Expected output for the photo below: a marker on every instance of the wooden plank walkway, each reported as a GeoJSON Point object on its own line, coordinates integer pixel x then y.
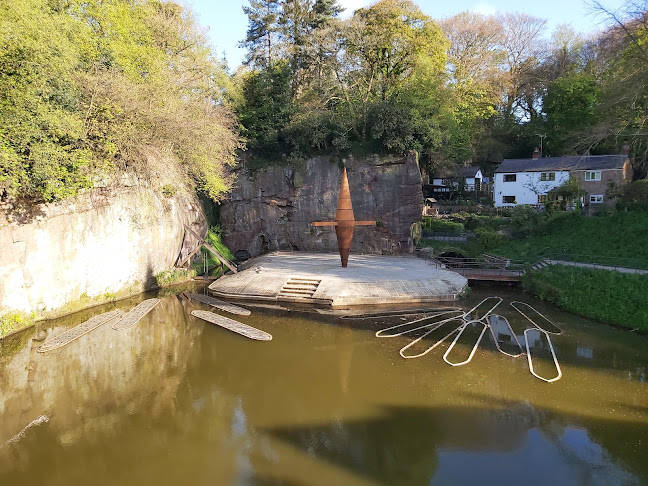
{"type": "Point", "coordinates": [232, 325]}
{"type": "Point", "coordinates": [76, 332]}
{"type": "Point", "coordinates": [220, 304]}
{"type": "Point", "coordinates": [135, 314]}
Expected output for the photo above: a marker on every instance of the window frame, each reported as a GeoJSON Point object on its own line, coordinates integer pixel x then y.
{"type": "Point", "coordinates": [504, 201]}
{"type": "Point", "coordinates": [596, 198]}
{"type": "Point", "coordinates": [510, 178]}
{"type": "Point", "coordinates": [547, 176]}
{"type": "Point", "coordinates": [596, 173]}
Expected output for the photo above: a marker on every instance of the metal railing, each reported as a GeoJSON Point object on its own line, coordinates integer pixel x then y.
{"type": "Point", "coordinates": [479, 266]}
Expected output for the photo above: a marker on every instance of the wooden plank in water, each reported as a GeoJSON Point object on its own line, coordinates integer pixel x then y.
{"type": "Point", "coordinates": [232, 325]}
{"type": "Point", "coordinates": [220, 304]}
{"type": "Point", "coordinates": [135, 314]}
{"type": "Point", "coordinates": [78, 331]}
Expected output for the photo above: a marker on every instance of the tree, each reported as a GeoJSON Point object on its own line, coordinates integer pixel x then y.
{"type": "Point", "coordinates": [623, 109]}
{"type": "Point", "coordinates": [570, 105]}
{"type": "Point", "coordinates": [385, 44]}
{"type": "Point", "coordinates": [523, 50]}
{"type": "Point", "coordinates": [88, 87]}
{"type": "Point", "coordinates": [263, 33]}
{"type": "Point", "coordinates": [267, 108]}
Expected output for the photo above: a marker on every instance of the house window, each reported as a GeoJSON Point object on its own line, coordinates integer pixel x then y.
{"type": "Point", "coordinates": [593, 175]}
{"type": "Point", "coordinates": [542, 198]}
{"type": "Point", "coordinates": [509, 177]}
{"type": "Point", "coordinates": [508, 199]}
{"type": "Point", "coordinates": [547, 176]}
{"type": "Point", "coordinates": [596, 198]}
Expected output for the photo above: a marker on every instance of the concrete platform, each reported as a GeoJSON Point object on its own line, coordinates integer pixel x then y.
{"type": "Point", "coordinates": [318, 278]}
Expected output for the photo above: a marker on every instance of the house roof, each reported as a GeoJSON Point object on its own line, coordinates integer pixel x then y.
{"type": "Point", "coordinates": [457, 172]}
{"type": "Point", "coordinates": [570, 162]}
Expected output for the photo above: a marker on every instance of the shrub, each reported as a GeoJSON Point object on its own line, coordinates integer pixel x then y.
{"type": "Point", "coordinates": [431, 225]}
{"type": "Point", "coordinates": [488, 239]}
{"type": "Point", "coordinates": [603, 295]}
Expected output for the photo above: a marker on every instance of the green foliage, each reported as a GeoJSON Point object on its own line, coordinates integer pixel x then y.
{"type": "Point", "coordinates": [488, 239]}
{"type": "Point", "coordinates": [267, 108]}
{"type": "Point", "coordinates": [380, 92]}
{"type": "Point", "coordinates": [603, 295]}
{"type": "Point", "coordinates": [442, 226]}
{"type": "Point", "coordinates": [173, 276]}
{"type": "Point", "coordinates": [569, 103]}
{"type": "Point", "coordinates": [633, 196]}
{"type": "Point", "coordinates": [472, 222]}
{"type": "Point", "coordinates": [615, 239]}
{"type": "Point", "coordinates": [88, 86]}
{"type": "Point", "coordinates": [14, 321]}
{"type": "Point", "coordinates": [169, 190]}
{"type": "Point", "coordinates": [214, 239]}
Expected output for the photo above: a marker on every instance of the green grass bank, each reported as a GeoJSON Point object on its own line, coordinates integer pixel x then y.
{"type": "Point", "coordinates": [605, 296]}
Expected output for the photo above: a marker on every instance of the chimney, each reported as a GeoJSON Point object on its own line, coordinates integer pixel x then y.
{"type": "Point", "coordinates": [536, 153]}
{"type": "Point", "coordinates": [625, 149]}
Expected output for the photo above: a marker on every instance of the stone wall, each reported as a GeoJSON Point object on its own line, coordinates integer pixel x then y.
{"type": "Point", "coordinates": [101, 242]}
{"type": "Point", "coordinates": [272, 208]}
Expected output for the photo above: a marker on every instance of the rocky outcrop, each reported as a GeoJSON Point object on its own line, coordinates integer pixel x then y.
{"type": "Point", "coordinates": [100, 242]}
{"type": "Point", "coordinates": [272, 208]}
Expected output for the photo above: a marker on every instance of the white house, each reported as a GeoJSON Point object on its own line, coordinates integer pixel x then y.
{"type": "Point", "coordinates": [528, 181]}
{"type": "Point", "coordinates": [471, 176]}
{"type": "Point", "coordinates": [525, 187]}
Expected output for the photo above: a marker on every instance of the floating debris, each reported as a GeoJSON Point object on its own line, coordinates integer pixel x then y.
{"type": "Point", "coordinates": [219, 304]}
{"type": "Point", "coordinates": [232, 325]}
{"type": "Point", "coordinates": [78, 331]}
{"type": "Point", "coordinates": [135, 314]}
{"type": "Point", "coordinates": [556, 330]}
{"type": "Point", "coordinates": [21, 434]}
{"type": "Point", "coordinates": [553, 354]}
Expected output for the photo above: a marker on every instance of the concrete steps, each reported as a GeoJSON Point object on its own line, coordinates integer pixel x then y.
{"type": "Point", "coordinates": [540, 265]}
{"type": "Point", "coordinates": [298, 289]}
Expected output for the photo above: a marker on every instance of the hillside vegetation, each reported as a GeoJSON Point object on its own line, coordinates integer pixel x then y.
{"type": "Point", "coordinates": [90, 86]}
{"type": "Point", "coordinates": [616, 238]}
{"type": "Point", "coordinates": [603, 295]}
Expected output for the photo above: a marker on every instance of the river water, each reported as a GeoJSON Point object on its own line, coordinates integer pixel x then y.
{"type": "Point", "coordinates": [175, 401]}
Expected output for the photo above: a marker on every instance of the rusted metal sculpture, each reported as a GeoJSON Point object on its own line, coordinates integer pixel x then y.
{"type": "Point", "coordinates": [344, 221]}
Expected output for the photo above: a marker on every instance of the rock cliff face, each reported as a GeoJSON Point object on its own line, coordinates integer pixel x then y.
{"type": "Point", "coordinates": [100, 242]}
{"type": "Point", "coordinates": [271, 209]}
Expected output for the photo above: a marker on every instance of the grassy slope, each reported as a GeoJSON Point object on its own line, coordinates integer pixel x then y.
{"type": "Point", "coordinates": [620, 238]}
{"type": "Point", "coordinates": [602, 295]}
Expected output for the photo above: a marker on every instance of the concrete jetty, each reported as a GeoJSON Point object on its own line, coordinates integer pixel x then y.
{"type": "Point", "coordinates": [318, 279]}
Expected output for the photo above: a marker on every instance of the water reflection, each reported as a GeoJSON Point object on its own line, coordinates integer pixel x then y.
{"type": "Point", "coordinates": [174, 400]}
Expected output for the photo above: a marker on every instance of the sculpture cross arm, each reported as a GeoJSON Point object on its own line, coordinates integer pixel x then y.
{"type": "Point", "coordinates": [364, 223]}
{"type": "Point", "coordinates": [324, 223]}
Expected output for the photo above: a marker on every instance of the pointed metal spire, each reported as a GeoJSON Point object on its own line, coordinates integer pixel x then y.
{"type": "Point", "coordinates": [344, 220]}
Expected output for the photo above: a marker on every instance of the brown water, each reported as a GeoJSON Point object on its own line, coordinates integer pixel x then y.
{"type": "Point", "coordinates": [175, 401]}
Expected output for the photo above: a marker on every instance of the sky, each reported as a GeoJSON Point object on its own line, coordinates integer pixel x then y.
{"type": "Point", "coordinates": [227, 23]}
